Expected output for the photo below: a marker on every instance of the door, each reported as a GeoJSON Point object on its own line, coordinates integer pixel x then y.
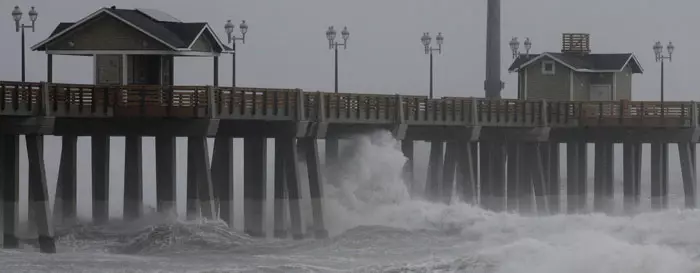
{"type": "Point", "coordinates": [600, 92]}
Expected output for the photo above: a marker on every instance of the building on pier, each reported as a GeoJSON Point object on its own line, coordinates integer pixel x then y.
{"type": "Point", "coordinates": [575, 73]}
{"type": "Point", "coordinates": [133, 46]}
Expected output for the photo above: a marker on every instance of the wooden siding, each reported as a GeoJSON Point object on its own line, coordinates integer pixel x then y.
{"type": "Point", "coordinates": [551, 87]}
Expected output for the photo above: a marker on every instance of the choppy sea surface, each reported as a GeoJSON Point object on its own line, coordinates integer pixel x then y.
{"type": "Point", "coordinates": [377, 227]}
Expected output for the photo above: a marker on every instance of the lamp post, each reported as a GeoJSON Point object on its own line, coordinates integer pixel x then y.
{"type": "Point", "coordinates": [333, 45]}
{"type": "Point", "coordinates": [232, 40]}
{"type": "Point", "coordinates": [17, 16]}
{"type": "Point", "coordinates": [514, 47]}
{"type": "Point", "coordinates": [660, 57]}
{"type": "Point", "coordinates": [426, 40]}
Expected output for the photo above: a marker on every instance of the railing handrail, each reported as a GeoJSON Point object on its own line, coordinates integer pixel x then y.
{"type": "Point", "coordinates": [343, 107]}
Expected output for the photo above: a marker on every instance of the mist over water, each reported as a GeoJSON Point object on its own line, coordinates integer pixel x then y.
{"type": "Point", "coordinates": [375, 226]}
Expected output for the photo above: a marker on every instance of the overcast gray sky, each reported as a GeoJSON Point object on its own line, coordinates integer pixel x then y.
{"type": "Point", "coordinates": [286, 45]}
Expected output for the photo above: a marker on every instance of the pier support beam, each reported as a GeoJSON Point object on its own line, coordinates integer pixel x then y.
{"type": "Point", "coordinates": [332, 151]}
{"type": "Point", "coordinates": [133, 178]}
{"type": "Point", "coordinates": [538, 175]}
{"type": "Point", "coordinates": [9, 156]}
{"type": "Point", "coordinates": [603, 187]}
{"type": "Point", "coordinates": [165, 174]}
{"type": "Point", "coordinates": [525, 190]}
{"type": "Point", "coordinates": [659, 175]}
{"type": "Point", "coordinates": [513, 176]}
{"type": "Point", "coordinates": [553, 178]}
{"type": "Point", "coordinates": [192, 205]}
{"type": "Point", "coordinates": [435, 163]}
{"type": "Point", "coordinates": [576, 176]}
{"type": "Point", "coordinates": [39, 194]}
{"type": "Point", "coordinates": [280, 189]}
{"type": "Point", "coordinates": [408, 176]}
{"type": "Point", "coordinates": [205, 187]}
{"type": "Point", "coordinates": [632, 168]}
{"type": "Point", "coordinates": [687, 154]}
{"type": "Point", "coordinates": [65, 205]}
{"type": "Point", "coordinates": [255, 180]}
{"type": "Point", "coordinates": [498, 176]}
{"type": "Point", "coordinates": [467, 171]}
{"type": "Point", "coordinates": [448, 171]}
{"type": "Point", "coordinates": [293, 186]}
{"type": "Point", "coordinates": [100, 179]}
{"type": "Point", "coordinates": [222, 177]}
{"type": "Point", "coordinates": [315, 186]}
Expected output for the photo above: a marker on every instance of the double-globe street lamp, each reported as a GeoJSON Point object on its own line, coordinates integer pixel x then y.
{"type": "Point", "coordinates": [17, 16]}
{"type": "Point", "coordinates": [228, 27]}
{"type": "Point", "coordinates": [333, 45]}
{"type": "Point", "coordinates": [332, 145]}
{"type": "Point", "coordinates": [426, 40]}
{"type": "Point", "coordinates": [660, 57]}
{"type": "Point", "coordinates": [515, 48]}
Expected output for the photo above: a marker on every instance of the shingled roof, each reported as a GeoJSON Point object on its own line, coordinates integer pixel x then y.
{"type": "Point", "coordinates": [178, 36]}
{"type": "Point", "coordinates": [607, 62]}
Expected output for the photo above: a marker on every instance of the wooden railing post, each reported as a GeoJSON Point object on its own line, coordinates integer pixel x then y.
{"type": "Point", "coordinates": [693, 114]}
{"type": "Point", "coordinates": [45, 102]}
{"type": "Point", "coordinates": [211, 101]}
{"type": "Point", "coordinates": [474, 112]}
{"type": "Point", "coordinates": [400, 125]}
{"type": "Point", "coordinates": [300, 108]}
{"type": "Point", "coordinates": [320, 107]}
{"type": "Point", "coordinates": [543, 113]}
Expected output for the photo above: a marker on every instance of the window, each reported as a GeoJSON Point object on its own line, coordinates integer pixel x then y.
{"type": "Point", "coordinates": [548, 68]}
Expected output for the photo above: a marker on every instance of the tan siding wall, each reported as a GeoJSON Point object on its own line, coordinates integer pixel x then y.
{"type": "Point", "coordinates": [581, 87]}
{"type": "Point", "coordinates": [203, 44]}
{"type": "Point", "coordinates": [109, 69]}
{"type": "Point", "coordinates": [552, 87]}
{"type": "Point", "coordinates": [106, 33]}
{"type": "Point", "coordinates": [624, 84]}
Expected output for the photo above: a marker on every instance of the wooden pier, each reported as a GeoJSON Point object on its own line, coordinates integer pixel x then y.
{"type": "Point", "coordinates": [520, 174]}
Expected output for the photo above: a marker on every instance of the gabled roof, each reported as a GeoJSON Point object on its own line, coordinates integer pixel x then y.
{"type": "Point", "coordinates": [176, 35]}
{"type": "Point", "coordinates": [607, 62]}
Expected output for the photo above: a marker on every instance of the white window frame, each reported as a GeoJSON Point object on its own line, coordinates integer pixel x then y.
{"type": "Point", "coordinates": [545, 71]}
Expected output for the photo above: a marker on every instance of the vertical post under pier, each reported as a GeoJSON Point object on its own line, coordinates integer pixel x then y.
{"type": "Point", "coordinates": [133, 178]}
{"type": "Point", "coordinates": [538, 176]}
{"type": "Point", "coordinates": [687, 154]}
{"type": "Point", "coordinates": [659, 175]}
{"type": "Point", "coordinates": [165, 174]}
{"type": "Point", "coordinates": [65, 205]}
{"type": "Point", "coordinates": [100, 179]}
{"type": "Point", "coordinates": [192, 205]}
{"type": "Point", "coordinates": [408, 176]}
{"type": "Point", "coordinates": [498, 176]}
{"type": "Point", "coordinates": [554, 179]}
{"type": "Point", "coordinates": [254, 182]}
{"type": "Point", "coordinates": [315, 186]}
{"type": "Point", "coordinates": [603, 186]}
{"type": "Point", "coordinates": [39, 194]}
{"type": "Point", "coordinates": [525, 189]}
{"type": "Point", "coordinates": [435, 163]}
{"type": "Point", "coordinates": [280, 189]}
{"type": "Point", "coordinates": [293, 186]}
{"type": "Point", "coordinates": [513, 176]}
{"type": "Point", "coordinates": [631, 172]}
{"type": "Point", "coordinates": [205, 187]}
{"type": "Point", "coordinates": [9, 155]}
{"type": "Point", "coordinates": [485, 177]}
{"type": "Point", "coordinates": [467, 175]}
{"type": "Point", "coordinates": [448, 171]}
{"type": "Point", "coordinates": [222, 177]}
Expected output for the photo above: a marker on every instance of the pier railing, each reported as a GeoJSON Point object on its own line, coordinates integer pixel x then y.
{"type": "Point", "coordinates": [109, 101]}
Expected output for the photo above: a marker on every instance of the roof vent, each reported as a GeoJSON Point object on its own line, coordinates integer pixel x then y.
{"type": "Point", "coordinates": [575, 43]}
{"type": "Point", "coordinates": [113, 7]}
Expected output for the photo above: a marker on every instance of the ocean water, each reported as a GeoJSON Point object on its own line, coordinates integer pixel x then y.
{"type": "Point", "coordinates": [376, 226]}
